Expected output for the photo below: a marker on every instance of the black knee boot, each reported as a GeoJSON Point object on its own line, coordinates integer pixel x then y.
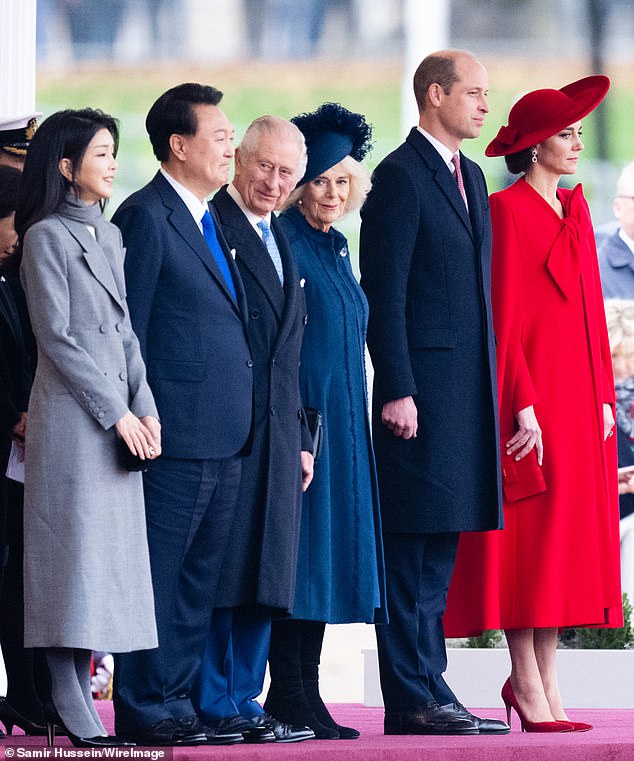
{"type": "Point", "coordinates": [310, 655]}
{"type": "Point", "coordinates": [286, 700]}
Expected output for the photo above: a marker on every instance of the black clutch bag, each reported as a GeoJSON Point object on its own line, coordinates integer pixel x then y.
{"type": "Point", "coordinates": [315, 423]}
{"type": "Point", "coordinates": [129, 461]}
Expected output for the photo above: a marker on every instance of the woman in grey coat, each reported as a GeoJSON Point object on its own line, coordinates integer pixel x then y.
{"type": "Point", "coordinates": [86, 570]}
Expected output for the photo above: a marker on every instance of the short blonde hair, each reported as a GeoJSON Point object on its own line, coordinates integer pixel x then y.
{"type": "Point", "coordinates": [619, 314]}
{"type": "Point", "coordinates": [360, 184]}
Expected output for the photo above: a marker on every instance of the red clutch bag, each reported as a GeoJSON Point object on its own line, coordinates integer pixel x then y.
{"type": "Point", "coordinates": [520, 478]}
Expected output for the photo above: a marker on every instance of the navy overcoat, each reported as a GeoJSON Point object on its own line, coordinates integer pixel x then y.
{"type": "Point", "coordinates": [340, 575]}
{"type": "Point", "coordinates": [430, 335]}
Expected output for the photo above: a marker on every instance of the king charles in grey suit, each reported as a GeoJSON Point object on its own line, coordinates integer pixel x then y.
{"type": "Point", "coordinates": [187, 307]}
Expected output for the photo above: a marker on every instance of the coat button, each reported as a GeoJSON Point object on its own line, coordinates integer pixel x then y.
{"type": "Point", "coordinates": [122, 376]}
{"type": "Point", "coordinates": [103, 329]}
{"type": "Point", "coordinates": [249, 363]}
{"type": "Point", "coordinates": [305, 319]}
{"type": "Point", "coordinates": [273, 411]}
{"type": "Point", "coordinates": [254, 314]}
{"type": "Point", "coordinates": [117, 327]}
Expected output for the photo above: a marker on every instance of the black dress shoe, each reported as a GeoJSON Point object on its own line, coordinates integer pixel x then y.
{"type": "Point", "coordinates": [213, 735]}
{"type": "Point", "coordinates": [251, 733]}
{"type": "Point", "coordinates": [10, 717]}
{"type": "Point", "coordinates": [428, 719]}
{"type": "Point", "coordinates": [53, 721]}
{"type": "Point", "coordinates": [166, 733]}
{"type": "Point", "coordinates": [283, 732]}
{"type": "Point", "coordinates": [485, 726]}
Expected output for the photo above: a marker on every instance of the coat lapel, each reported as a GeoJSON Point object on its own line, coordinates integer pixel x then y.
{"type": "Point", "coordinates": [250, 249]}
{"type": "Point", "coordinates": [441, 175]}
{"type": "Point", "coordinates": [291, 282]}
{"type": "Point", "coordinates": [475, 197]}
{"type": "Point", "coordinates": [185, 226]}
{"type": "Point", "coordinates": [95, 258]}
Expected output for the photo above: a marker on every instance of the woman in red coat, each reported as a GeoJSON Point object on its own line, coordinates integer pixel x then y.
{"type": "Point", "coordinates": [556, 562]}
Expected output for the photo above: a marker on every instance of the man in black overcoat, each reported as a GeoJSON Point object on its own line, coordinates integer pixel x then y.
{"type": "Point", "coordinates": [258, 575]}
{"type": "Point", "coordinates": [616, 252]}
{"type": "Point", "coordinates": [425, 267]}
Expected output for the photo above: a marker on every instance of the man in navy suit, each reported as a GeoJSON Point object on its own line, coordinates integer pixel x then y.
{"type": "Point", "coordinates": [616, 253]}
{"type": "Point", "coordinates": [260, 569]}
{"type": "Point", "coordinates": [425, 268]}
{"type": "Point", "coordinates": [189, 312]}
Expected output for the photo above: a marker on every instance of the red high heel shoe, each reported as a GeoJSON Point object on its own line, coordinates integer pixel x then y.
{"type": "Point", "coordinates": [579, 726]}
{"type": "Point", "coordinates": [510, 701]}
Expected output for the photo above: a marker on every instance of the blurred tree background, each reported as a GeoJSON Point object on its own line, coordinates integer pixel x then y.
{"type": "Point", "coordinates": [288, 56]}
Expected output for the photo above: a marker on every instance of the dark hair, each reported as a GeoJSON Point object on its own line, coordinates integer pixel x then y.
{"type": "Point", "coordinates": [64, 135]}
{"type": "Point", "coordinates": [434, 69]}
{"type": "Point", "coordinates": [10, 179]}
{"type": "Point", "coordinates": [519, 162]}
{"type": "Point", "coordinates": [172, 114]}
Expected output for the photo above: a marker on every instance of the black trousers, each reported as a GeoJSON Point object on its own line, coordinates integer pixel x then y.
{"type": "Point", "coordinates": [28, 683]}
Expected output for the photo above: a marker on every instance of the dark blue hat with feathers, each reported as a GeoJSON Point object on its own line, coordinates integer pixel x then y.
{"type": "Point", "coordinates": [332, 133]}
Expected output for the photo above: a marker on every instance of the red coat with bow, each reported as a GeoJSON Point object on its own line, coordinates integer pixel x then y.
{"type": "Point", "coordinates": [556, 562]}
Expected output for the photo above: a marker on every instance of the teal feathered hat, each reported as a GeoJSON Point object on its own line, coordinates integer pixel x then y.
{"type": "Point", "coordinates": [332, 133]}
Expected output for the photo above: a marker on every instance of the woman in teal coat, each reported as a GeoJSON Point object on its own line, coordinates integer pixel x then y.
{"type": "Point", "coordinates": [340, 576]}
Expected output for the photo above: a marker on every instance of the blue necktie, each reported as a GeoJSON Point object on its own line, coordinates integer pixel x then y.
{"type": "Point", "coordinates": [271, 247]}
{"type": "Point", "coordinates": [209, 231]}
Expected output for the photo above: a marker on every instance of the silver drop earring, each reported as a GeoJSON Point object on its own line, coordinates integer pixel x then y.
{"type": "Point", "coordinates": [534, 155]}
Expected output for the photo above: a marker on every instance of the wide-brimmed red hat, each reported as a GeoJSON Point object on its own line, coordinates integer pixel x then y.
{"type": "Point", "coordinates": [542, 113]}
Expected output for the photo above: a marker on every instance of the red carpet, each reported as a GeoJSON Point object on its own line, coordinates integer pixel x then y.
{"type": "Point", "coordinates": [612, 739]}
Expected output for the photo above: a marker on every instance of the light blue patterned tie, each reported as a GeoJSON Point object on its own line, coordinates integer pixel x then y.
{"type": "Point", "coordinates": [271, 247]}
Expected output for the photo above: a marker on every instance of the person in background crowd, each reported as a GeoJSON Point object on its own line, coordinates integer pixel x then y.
{"type": "Point", "coordinates": [189, 311]}
{"type": "Point", "coordinates": [616, 253]}
{"type": "Point", "coordinates": [15, 135]}
{"type": "Point", "coordinates": [425, 268]}
{"type": "Point", "coordinates": [89, 387]}
{"type": "Point", "coordinates": [555, 564]}
{"type": "Point", "coordinates": [22, 705]}
{"type": "Point", "coordinates": [620, 319]}
{"type": "Point", "coordinates": [258, 574]}
{"type": "Point", "coordinates": [340, 574]}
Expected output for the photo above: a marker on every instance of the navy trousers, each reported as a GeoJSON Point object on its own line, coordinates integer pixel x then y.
{"type": "Point", "coordinates": [190, 507]}
{"type": "Point", "coordinates": [232, 672]}
{"type": "Point", "coordinates": [411, 648]}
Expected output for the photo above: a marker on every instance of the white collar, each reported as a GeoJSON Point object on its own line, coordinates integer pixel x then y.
{"type": "Point", "coordinates": [629, 242]}
{"type": "Point", "coordinates": [445, 153]}
{"type": "Point", "coordinates": [197, 208]}
{"type": "Point", "coordinates": [253, 219]}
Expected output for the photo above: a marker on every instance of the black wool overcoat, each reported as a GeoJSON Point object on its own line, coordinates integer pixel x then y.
{"type": "Point", "coordinates": [426, 270]}
{"type": "Point", "coordinates": [261, 561]}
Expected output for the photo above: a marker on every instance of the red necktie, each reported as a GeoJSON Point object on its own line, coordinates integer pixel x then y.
{"type": "Point", "coordinates": [455, 160]}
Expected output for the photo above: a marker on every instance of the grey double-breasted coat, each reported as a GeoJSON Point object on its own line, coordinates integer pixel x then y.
{"type": "Point", "coordinates": [87, 574]}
